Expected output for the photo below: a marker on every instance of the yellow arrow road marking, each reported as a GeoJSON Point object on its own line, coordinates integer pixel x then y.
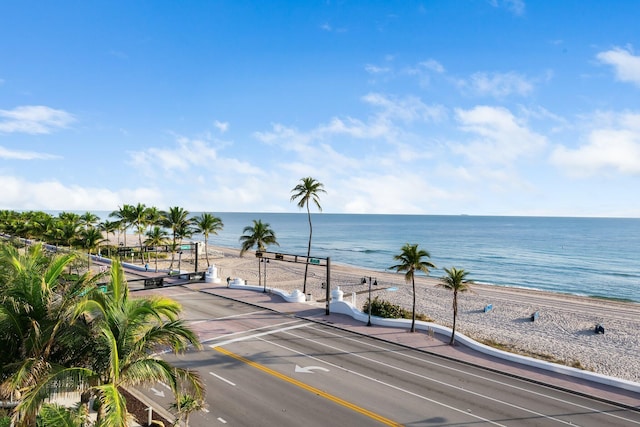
{"type": "Point", "coordinates": [307, 387]}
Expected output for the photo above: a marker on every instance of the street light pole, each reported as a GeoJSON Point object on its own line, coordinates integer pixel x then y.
{"type": "Point", "coordinates": [266, 261]}
{"type": "Point", "coordinates": [375, 283]}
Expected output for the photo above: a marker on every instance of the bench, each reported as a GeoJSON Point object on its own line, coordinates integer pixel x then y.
{"type": "Point", "coordinates": [534, 316]}
{"type": "Point", "coordinates": [153, 282]}
{"type": "Point", "coordinates": [488, 308]}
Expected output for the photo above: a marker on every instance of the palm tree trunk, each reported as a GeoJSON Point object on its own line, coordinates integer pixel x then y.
{"type": "Point", "coordinates": [455, 316]}
{"type": "Point", "coordinates": [306, 265]}
{"type": "Point", "coordinates": [206, 249]}
{"type": "Point", "coordinates": [413, 311]}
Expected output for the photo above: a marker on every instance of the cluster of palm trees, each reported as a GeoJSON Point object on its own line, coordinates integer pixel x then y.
{"type": "Point", "coordinates": [86, 231]}
{"type": "Point", "coordinates": [412, 259]}
{"type": "Point", "coordinates": [61, 334]}
{"type": "Point", "coordinates": [153, 223]}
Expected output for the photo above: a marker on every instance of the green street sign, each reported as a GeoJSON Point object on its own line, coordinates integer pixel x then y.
{"type": "Point", "coordinates": [314, 261]}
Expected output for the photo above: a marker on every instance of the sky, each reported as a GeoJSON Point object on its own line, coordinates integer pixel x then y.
{"type": "Point", "coordinates": [479, 107]}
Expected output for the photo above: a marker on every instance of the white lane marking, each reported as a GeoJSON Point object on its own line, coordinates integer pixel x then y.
{"type": "Point", "coordinates": [386, 384]}
{"type": "Point", "coordinates": [223, 379]}
{"type": "Point", "coordinates": [522, 408]}
{"type": "Point", "coordinates": [309, 369]}
{"type": "Point", "coordinates": [195, 322]}
{"type": "Point", "coordinates": [248, 337]}
{"type": "Point", "coordinates": [222, 420]}
{"type": "Point", "coordinates": [157, 392]}
{"type": "Point", "coordinates": [250, 330]}
{"type": "Point", "coordinates": [484, 378]}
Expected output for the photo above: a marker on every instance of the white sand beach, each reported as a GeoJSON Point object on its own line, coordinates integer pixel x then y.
{"type": "Point", "coordinates": [564, 331]}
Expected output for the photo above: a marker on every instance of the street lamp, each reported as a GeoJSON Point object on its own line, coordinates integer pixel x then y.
{"type": "Point", "coordinates": [266, 261]}
{"type": "Point", "coordinates": [375, 283]}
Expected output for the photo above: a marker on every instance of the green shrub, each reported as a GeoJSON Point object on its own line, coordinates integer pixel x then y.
{"type": "Point", "coordinates": [5, 421]}
{"type": "Point", "coordinates": [387, 310]}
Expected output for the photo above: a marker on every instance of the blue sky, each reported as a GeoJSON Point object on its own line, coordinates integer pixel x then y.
{"type": "Point", "coordinates": [487, 107]}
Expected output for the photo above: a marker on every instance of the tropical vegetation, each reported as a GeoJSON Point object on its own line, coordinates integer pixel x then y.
{"type": "Point", "coordinates": [411, 260]}
{"type": "Point", "coordinates": [308, 190]}
{"type": "Point", "coordinates": [207, 224]}
{"type": "Point", "coordinates": [455, 280]}
{"type": "Point", "coordinates": [259, 235]}
{"type": "Point", "coordinates": [61, 334]}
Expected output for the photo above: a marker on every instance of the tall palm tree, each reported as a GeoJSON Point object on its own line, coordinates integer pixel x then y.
{"type": "Point", "coordinates": [411, 260]}
{"type": "Point", "coordinates": [90, 239]}
{"type": "Point", "coordinates": [157, 236]}
{"type": "Point", "coordinates": [109, 227]}
{"type": "Point", "coordinates": [259, 235]}
{"type": "Point", "coordinates": [177, 220]}
{"type": "Point", "coordinates": [129, 332]}
{"type": "Point", "coordinates": [207, 224]}
{"type": "Point", "coordinates": [122, 215]}
{"type": "Point", "coordinates": [455, 280]}
{"type": "Point", "coordinates": [307, 191]}
{"type": "Point", "coordinates": [138, 219]}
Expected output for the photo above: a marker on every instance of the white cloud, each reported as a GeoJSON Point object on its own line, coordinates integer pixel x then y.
{"type": "Point", "coordinates": [34, 119]}
{"type": "Point", "coordinates": [625, 64]}
{"type": "Point", "coordinates": [221, 126]}
{"type": "Point", "coordinates": [374, 69]}
{"type": "Point", "coordinates": [613, 146]}
{"type": "Point", "coordinates": [423, 71]}
{"type": "Point", "coordinates": [8, 154]}
{"type": "Point", "coordinates": [53, 195]}
{"type": "Point", "coordinates": [498, 137]}
{"type": "Point", "coordinates": [516, 7]}
{"type": "Point", "coordinates": [432, 65]}
{"type": "Point", "coordinates": [407, 109]}
{"type": "Point", "coordinates": [498, 85]}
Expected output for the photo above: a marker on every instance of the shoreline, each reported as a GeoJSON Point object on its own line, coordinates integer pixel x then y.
{"type": "Point", "coordinates": [564, 331]}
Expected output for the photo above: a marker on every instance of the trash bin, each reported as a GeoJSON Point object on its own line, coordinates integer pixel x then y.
{"type": "Point", "coordinates": [309, 297]}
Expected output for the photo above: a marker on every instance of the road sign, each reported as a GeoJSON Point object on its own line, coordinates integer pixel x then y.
{"type": "Point", "coordinates": [314, 260]}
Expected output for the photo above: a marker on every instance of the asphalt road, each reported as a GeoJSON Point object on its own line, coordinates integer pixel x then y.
{"type": "Point", "coordinates": [270, 369]}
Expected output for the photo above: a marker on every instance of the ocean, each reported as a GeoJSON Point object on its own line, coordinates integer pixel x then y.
{"type": "Point", "coordinates": [598, 257]}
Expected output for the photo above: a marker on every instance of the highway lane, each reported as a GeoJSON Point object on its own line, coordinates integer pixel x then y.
{"type": "Point", "coordinates": [264, 368]}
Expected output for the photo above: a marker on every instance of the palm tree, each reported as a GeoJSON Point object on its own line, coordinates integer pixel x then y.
{"type": "Point", "coordinates": [177, 220]}
{"type": "Point", "coordinates": [456, 281]}
{"type": "Point", "coordinates": [259, 235]}
{"type": "Point", "coordinates": [411, 260]}
{"type": "Point", "coordinates": [89, 220]}
{"type": "Point", "coordinates": [129, 332]}
{"type": "Point", "coordinates": [138, 219]}
{"type": "Point", "coordinates": [91, 238]}
{"type": "Point", "coordinates": [184, 405]}
{"type": "Point", "coordinates": [56, 415]}
{"type": "Point", "coordinates": [38, 340]}
{"type": "Point", "coordinates": [307, 190]}
{"type": "Point", "coordinates": [109, 227]}
{"type": "Point", "coordinates": [207, 224]}
{"type": "Point", "coordinates": [123, 214]}
{"type": "Point", "coordinates": [155, 237]}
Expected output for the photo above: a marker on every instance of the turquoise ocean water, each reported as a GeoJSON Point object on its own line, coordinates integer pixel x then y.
{"type": "Point", "coordinates": [585, 256]}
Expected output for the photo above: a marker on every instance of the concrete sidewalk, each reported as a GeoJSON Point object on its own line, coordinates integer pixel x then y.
{"type": "Point", "coordinates": [420, 340]}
